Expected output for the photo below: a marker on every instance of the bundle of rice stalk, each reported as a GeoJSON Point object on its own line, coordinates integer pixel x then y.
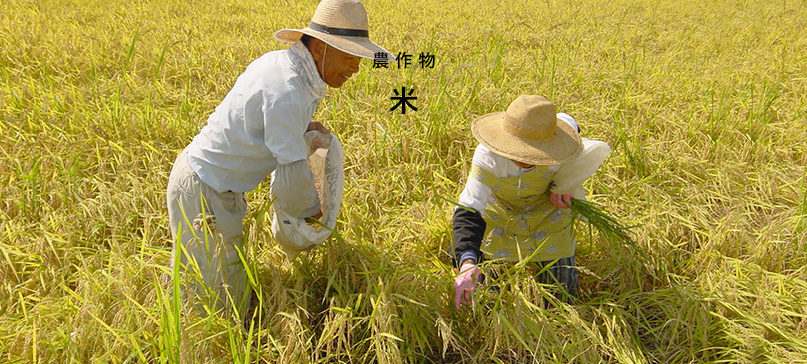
{"type": "Point", "coordinates": [609, 226]}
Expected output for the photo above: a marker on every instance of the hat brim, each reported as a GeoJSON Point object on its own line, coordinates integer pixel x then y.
{"type": "Point", "coordinates": [562, 147]}
{"type": "Point", "coordinates": [357, 46]}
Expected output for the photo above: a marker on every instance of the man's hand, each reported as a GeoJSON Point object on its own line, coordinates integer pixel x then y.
{"type": "Point", "coordinates": [465, 283]}
{"type": "Point", "coordinates": [561, 201]}
{"type": "Point", "coordinates": [316, 125]}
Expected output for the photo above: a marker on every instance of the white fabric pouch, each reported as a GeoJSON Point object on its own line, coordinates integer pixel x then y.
{"type": "Point", "coordinates": [295, 235]}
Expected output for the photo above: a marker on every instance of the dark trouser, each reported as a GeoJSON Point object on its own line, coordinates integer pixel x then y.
{"type": "Point", "coordinates": [562, 277]}
{"type": "Point", "coordinates": [559, 278]}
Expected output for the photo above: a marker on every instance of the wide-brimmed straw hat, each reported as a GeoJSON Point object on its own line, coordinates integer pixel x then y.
{"type": "Point", "coordinates": [529, 132]}
{"type": "Point", "coordinates": [343, 25]}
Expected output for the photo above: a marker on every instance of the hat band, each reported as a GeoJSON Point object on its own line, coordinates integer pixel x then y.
{"type": "Point", "coordinates": [510, 127]}
{"type": "Point", "coordinates": [339, 31]}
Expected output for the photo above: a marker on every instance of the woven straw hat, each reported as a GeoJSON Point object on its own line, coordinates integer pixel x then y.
{"type": "Point", "coordinates": [343, 25]}
{"type": "Point", "coordinates": [529, 132]}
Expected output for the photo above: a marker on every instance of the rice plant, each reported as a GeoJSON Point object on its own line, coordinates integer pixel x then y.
{"type": "Point", "coordinates": [703, 104]}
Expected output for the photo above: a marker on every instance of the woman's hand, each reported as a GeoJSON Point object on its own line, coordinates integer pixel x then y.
{"type": "Point", "coordinates": [465, 283]}
{"type": "Point", "coordinates": [561, 201]}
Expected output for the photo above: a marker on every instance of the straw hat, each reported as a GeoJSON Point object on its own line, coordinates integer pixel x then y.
{"type": "Point", "coordinates": [340, 23]}
{"type": "Point", "coordinates": [529, 132]}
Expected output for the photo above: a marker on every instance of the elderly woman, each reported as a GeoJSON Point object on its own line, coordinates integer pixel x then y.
{"type": "Point", "coordinates": [528, 166]}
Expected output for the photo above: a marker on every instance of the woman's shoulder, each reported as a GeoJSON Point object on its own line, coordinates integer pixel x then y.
{"type": "Point", "coordinates": [484, 157]}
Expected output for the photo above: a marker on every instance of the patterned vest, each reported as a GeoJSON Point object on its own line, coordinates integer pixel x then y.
{"type": "Point", "coordinates": [521, 222]}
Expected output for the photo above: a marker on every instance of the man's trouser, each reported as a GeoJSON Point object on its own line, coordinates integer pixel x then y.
{"type": "Point", "coordinates": [212, 275]}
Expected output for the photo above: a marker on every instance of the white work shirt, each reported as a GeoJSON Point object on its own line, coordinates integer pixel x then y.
{"type": "Point", "coordinates": [260, 123]}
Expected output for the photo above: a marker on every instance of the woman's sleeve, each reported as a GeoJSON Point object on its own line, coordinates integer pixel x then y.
{"type": "Point", "coordinates": [469, 228]}
{"type": "Point", "coordinates": [468, 224]}
{"type": "Point", "coordinates": [572, 174]}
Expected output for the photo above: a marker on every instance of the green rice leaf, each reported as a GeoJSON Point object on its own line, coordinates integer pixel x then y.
{"type": "Point", "coordinates": [608, 225]}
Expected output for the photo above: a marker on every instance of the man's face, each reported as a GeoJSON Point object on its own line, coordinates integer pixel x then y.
{"type": "Point", "coordinates": [337, 66]}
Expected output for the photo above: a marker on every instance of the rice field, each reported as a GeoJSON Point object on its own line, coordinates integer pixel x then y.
{"type": "Point", "coordinates": [703, 102]}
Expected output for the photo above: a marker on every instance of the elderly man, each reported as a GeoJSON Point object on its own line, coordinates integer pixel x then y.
{"type": "Point", "coordinates": [258, 128]}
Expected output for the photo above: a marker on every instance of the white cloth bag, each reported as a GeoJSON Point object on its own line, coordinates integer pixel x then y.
{"type": "Point", "coordinates": [326, 162]}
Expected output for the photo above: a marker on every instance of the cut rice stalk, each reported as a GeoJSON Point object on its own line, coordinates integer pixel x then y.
{"type": "Point", "coordinates": [608, 225]}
